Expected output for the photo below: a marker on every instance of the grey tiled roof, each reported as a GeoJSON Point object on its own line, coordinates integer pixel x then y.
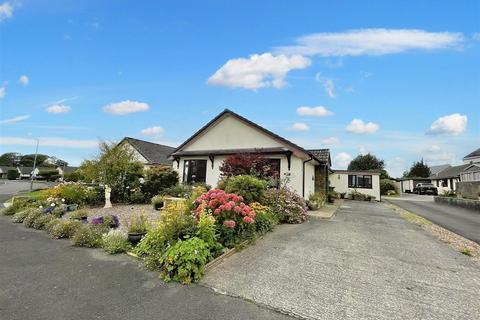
{"type": "Point", "coordinates": [154, 153]}
{"type": "Point", "coordinates": [451, 172]}
{"type": "Point", "coordinates": [4, 169]}
{"type": "Point", "coordinates": [434, 170]}
{"type": "Point", "coordinates": [473, 154]}
{"type": "Point", "coordinates": [321, 154]}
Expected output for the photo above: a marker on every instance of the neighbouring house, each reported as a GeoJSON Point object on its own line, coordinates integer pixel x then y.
{"type": "Point", "coordinates": [365, 182]}
{"type": "Point", "coordinates": [149, 153]}
{"type": "Point", "coordinates": [199, 158]}
{"type": "Point", "coordinates": [64, 170]}
{"type": "Point", "coordinates": [471, 173]}
{"type": "Point", "coordinates": [435, 170]}
{"type": "Point", "coordinates": [447, 179]}
{"type": "Point", "coordinates": [407, 184]}
{"type": "Point", "coordinates": [473, 157]}
{"type": "Point", "coordinates": [25, 172]}
{"type": "Point", "coordinates": [4, 171]}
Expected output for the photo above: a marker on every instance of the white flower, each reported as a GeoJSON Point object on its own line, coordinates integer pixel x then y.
{"type": "Point", "coordinates": [63, 200]}
{"type": "Point", "coordinates": [41, 207]}
{"type": "Point", "coordinates": [53, 205]}
{"type": "Point", "coordinates": [195, 251]}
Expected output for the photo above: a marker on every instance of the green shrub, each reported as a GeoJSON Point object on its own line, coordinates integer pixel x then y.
{"type": "Point", "coordinates": [8, 211]}
{"type": "Point", "coordinates": [61, 228]}
{"type": "Point", "coordinates": [206, 231]}
{"type": "Point", "coordinates": [385, 186]}
{"type": "Point", "coordinates": [20, 216]}
{"type": "Point", "coordinates": [49, 174]}
{"type": "Point", "coordinates": [137, 196]}
{"type": "Point", "coordinates": [12, 174]}
{"type": "Point", "coordinates": [316, 200]}
{"type": "Point", "coordinates": [174, 224]}
{"type": "Point", "coordinates": [75, 193]}
{"type": "Point", "coordinates": [88, 236]}
{"type": "Point", "coordinates": [115, 241]}
{"type": "Point", "coordinates": [185, 261]}
{"type": "Point", "coordinates": [355, 195]}
{"type": "Point", "coordinates": [158, 201]}
{"type": "Point", "coordinates": [41, 222]}
{"type": "Point", "coordinates": [138, 223]}
{"type": "Point", "coordinates": [287, 205]}
{"type": "Point", "coordinates": [158, 179]}
{"type": "Point", "coordinates": [33, 215]}
{"type": "Point", "coordinates": [179, 191]}
{"type": "Point", "coordinates": [449, 193]}
{"type": "Point", "coordinates": [250, 188]}
{"type": "Point", "coordinates": [265, 219]}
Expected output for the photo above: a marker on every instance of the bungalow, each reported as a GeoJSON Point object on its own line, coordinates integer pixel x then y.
{"type": "Point", "coordinates": [365, 182]}
{"type": "Point", "coordinates": [199, 158]}
{"type": "Point", "coordinates": [446, 179]}
{"type": "Point", "coordinates": [149, 153]}
{"type": "Point", "coordinates": [471, 173]}
{"type": "Point", "coordinates": [4, 171]}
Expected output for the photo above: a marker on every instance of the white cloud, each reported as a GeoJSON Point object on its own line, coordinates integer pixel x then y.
{"type": "Point", "coordinates": [50, 142]}
{"type": "Point", "coordinates": [319, 111]}
{"type": "Point", "coordinates": [358, 126]}
{"type": "Point", "coordinates": [6, 11]}
{"type": "Point", "coordinates": [299, 126]}
{"type": "Point", "coordinates": [125, 107]}
{"type": "Point", "coordinates": [330, 141]}
{"type": "Point", "coordinates": [439, 158]}
{"type": "Point", "coordinates": [476, 36]}
{"type": "Point", "coordinates": [396, 166]}
{"type": "Point", "coordinates": [153, 131]}
{"type": "Point", "coordinates": [328, 85]}
{"type": "Point", "coordinates": [257, 71]}
{"type": "Point", "coordinates": [342, 160]}
{"type": "Point", "coordinates": [2, 92]}
{"type": "Point", "coordinates": [24, 80]}
{"type": "Point", "coordinates": [58, 108]}
{"type": "Point", "coordinates": [372, 42]}
{"type": "Point", "coordinates": [15, 119]}
{"type": "Point", "coordinates": [453, 124]}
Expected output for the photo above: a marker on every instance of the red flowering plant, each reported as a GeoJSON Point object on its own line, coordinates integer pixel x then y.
{"type": "Point", "coordinates": [233, 218]}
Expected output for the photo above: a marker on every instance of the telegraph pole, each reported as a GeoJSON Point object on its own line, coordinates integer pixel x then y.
{"type": "Point", "coordinates": [34, 166]}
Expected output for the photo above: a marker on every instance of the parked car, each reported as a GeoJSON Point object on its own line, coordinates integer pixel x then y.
{"type": "Point", "coordinates": [425, 188]}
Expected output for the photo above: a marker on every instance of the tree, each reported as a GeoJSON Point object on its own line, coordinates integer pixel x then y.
{"type": "Point", "coordinates": [368, 162]}
{"type": "Point", "coordinates": [10, 159]}
{"type": "Point", "coordinates": [253, 164]}
{"type": "Point", "coordinates": [158, 179]}
{"type": "Point", "coordinates": [49, 174]}
{"type": "Point", "coordinates": [115, 166]}
{"type": "Point", "coordinates": [418, 169]}
{"type": "Point", "coordinates": [28, 159]}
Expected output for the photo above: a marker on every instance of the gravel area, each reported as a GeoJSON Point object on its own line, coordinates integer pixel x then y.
{"type": "Point", "coordinates": [124, 212]}
{"type": "Point", "coordinates": [365, 263]}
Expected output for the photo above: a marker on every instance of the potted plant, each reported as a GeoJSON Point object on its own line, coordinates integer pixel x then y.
{"type": "Point", "coordinates": [137, 228]}
{"type": "Point", "coordinates": [158, 202]}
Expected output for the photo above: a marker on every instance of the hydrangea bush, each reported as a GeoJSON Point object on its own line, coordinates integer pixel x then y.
{"type": "Point", "coordinates": [233, 217]}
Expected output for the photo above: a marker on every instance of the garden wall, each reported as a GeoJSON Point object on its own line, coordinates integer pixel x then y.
{"type": "Point", "coordinates": [464, 203]}
{"type": "Point", "coordinates": [469, 190]}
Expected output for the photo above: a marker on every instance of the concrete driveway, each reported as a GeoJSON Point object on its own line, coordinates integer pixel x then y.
{"type": "Point", "coordinates": [42, 278]}
{"type": "Point", "coordinates": [365, 263]}
{"type": "Point", "coordinates": [459, 220]}
{"type": "Point", "coordinates": [9, 188]}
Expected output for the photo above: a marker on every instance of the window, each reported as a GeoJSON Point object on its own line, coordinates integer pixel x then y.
{"type": "Point", "coordinates": [360, 181]}
{"type": "Point", "coordinates": [195, 171]}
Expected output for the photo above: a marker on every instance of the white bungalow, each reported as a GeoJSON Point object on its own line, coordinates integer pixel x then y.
{"type": "Point", "coordinates": [199, 158]}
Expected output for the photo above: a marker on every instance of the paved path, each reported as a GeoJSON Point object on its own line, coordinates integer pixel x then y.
{"type": "Point", "coordinates": [365, 263]}
{"type": "Point", "coordinates": [459, 220]}
{"type": "Point", "coordinates": [42, 278]}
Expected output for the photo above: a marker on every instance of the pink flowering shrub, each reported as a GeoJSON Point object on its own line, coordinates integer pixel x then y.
{"type": "Point", "coordinates": [233, 218]}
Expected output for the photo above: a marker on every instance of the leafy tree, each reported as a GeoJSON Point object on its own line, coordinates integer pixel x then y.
{"type": "Point", "coordinates": [158, 179]}
{"type": "Point", "coordinates": [418, 169]}
{"type": "Point", "coordinates": [28, 159]}
{"type": "Point", "coordinates": [253, 164]}
{"type": "Point", "coordinates": [115, 166]}
{"type": "Point", "coordinates": [10, 159]}
{"type": "Point", "coordinates": [49, 174]}
{"type": "Point", "coordinates": [368, 162]}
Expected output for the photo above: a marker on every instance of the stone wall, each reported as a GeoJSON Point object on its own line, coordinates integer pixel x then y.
{"type": "Point", "coordinates": [457, 202]}
{"type": "Point", "coordinates": [469, 190]}
{"type": "Point", "coordinates": [321, 178]}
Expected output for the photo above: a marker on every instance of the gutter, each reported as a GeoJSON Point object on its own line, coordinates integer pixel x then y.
{"type": "Point", "coordinates": [303, 175]}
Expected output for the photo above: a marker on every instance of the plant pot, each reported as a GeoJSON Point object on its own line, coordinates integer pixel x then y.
{"type": "Point", "coordinates": [158, 206]}
{"type": "Point", "coordinates": [135, 237]}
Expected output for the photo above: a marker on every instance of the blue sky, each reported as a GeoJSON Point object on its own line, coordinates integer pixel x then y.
{"type": "Point", "coordinates": [398, 79]}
